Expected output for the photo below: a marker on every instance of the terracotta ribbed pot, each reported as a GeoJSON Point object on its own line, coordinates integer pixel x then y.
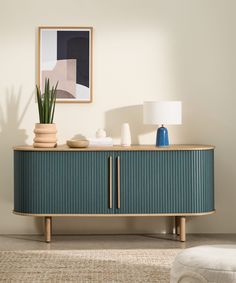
{"type": "Point", "coordinates": [45, 135]}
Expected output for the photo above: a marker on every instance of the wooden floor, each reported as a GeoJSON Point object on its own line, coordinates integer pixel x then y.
{"type": "Point", "coordinates": [80, 242]}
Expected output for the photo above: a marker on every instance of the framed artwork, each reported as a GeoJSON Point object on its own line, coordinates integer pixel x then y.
{"type": "Point", "coordinates": [65, 56]}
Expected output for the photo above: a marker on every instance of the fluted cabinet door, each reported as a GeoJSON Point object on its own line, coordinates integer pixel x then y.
{"type": "Point", "coordinates": [166, 182]}
{"type": "Point", "coordinates": [61, 182]}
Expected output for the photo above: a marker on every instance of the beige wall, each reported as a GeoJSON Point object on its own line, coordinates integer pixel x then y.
{"type": "Point", "coordinates": [143, 50]}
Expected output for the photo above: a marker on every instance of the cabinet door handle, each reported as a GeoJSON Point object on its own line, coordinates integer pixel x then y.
{"type": "Point", "coordinates": [118, 181]}
{"type": "Point", "coordinates": [110, 181]}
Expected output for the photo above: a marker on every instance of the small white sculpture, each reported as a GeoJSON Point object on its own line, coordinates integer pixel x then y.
{"type": "Point", "coordinates": [101, 133]}
{"type": "Point", "coordinates": [125, 135]}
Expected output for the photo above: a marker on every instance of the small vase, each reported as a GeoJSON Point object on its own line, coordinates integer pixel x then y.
{"type": "Point", "coordinates": [125, 135]}
{"type": "Point", "coordinates": [45, 135]}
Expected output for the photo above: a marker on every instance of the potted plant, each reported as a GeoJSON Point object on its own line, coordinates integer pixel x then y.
{"type": "Point", "coordinates": [45, 131]}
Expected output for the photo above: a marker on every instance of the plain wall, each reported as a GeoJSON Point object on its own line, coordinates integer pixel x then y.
{"type": "Point", "coordinates": [143, 50]}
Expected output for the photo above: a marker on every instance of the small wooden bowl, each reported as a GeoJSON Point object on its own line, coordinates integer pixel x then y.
{"type": "Point", "coordinates": [78, 143]}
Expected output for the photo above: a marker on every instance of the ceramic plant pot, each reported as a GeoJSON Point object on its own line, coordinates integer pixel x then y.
{"type": "Point", "coordinates": [45, 135]}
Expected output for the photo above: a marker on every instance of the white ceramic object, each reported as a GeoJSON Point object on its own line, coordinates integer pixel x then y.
{"type": "Point", "coordinates": [107, 141]}
{"type": "Point", "coordinates": [101, 133]}
{"type": "Point", "coordinates": [125, 135]}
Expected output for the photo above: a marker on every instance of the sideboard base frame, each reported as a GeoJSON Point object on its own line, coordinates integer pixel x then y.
{"type": "Point", "coordinates": [179, 223]}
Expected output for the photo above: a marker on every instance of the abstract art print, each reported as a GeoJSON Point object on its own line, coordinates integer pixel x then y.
{"type": "Point", "coordinates": [65, 56]}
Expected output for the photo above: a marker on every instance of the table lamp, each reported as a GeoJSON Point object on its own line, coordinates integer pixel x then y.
{"type": "Point", "coordinates": [162, 113]}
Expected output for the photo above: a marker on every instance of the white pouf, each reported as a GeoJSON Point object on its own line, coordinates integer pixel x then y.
{"type": "Point", "coordinates": [204, 264]}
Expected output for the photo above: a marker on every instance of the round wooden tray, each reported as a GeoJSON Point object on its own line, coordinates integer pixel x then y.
{"type": "Point", "coordinates": [77, 143]}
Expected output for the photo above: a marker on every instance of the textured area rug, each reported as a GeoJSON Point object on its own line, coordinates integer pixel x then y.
{"type": "Point", "coordinates": [139, 265]}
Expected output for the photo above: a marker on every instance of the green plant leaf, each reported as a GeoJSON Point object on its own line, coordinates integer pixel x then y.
{"type": "Point", "coordinates": [39, 100]}
{"type": "Point", "coordinates": [46, 94]}
{"type": "Point", "coordinates": [46, 102]}
{"type": "Point", "coordinates": [54, 102]}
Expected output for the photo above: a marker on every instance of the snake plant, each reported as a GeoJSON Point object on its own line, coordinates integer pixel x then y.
{"type": "Point", "coordinates": [46, 103]}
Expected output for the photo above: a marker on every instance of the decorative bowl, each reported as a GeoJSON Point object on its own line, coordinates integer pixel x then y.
{"type": "Point", "coordinates": [77, 143]}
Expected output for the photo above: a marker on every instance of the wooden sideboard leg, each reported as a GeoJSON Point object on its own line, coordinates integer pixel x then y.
{"type": "Point", "coordinates": [48, 228]}
{"type": "Point", "coordinates": [182, 229]}
{"type": "Point", "coordinates": [176, 225]}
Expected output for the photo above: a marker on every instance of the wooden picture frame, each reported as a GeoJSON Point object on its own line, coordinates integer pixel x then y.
{"type": "Point", "coordinates": [65, 56]}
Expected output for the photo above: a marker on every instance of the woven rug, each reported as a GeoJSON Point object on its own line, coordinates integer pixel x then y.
{"type": "Point", "coordinates": [97, 266]}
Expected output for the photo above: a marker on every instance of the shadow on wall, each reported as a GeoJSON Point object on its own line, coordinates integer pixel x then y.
{"type": "Point", "coordinates": [10, 122]}
{"type": "Point", "coordinates": [10, 135]}
{"type": "Point", "coordinates": [131, 114]}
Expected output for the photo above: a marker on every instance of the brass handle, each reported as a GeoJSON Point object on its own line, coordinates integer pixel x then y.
{"type": "Point", "coordinates": [118, 181]}
{"type": "Point", "coordinates": [110, 181]}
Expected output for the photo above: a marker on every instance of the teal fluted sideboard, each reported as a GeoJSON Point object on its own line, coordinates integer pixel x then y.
{"type": "Point", "coordinates": [114, 181]}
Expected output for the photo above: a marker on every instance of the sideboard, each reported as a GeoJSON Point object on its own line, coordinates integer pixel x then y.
{"type": "Point", "coordinates": [175, 181]}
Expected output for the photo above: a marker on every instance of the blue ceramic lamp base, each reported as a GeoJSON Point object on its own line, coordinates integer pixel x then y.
{"type": "Point", "coordinates": [162, 137]}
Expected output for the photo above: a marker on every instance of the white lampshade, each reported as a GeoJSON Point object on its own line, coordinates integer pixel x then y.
{"type": "Point", "coordinates": [162, 113]}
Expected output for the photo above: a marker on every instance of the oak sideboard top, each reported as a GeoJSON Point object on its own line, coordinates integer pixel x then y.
{"type": "Point", "coordinates": [119, 148]}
